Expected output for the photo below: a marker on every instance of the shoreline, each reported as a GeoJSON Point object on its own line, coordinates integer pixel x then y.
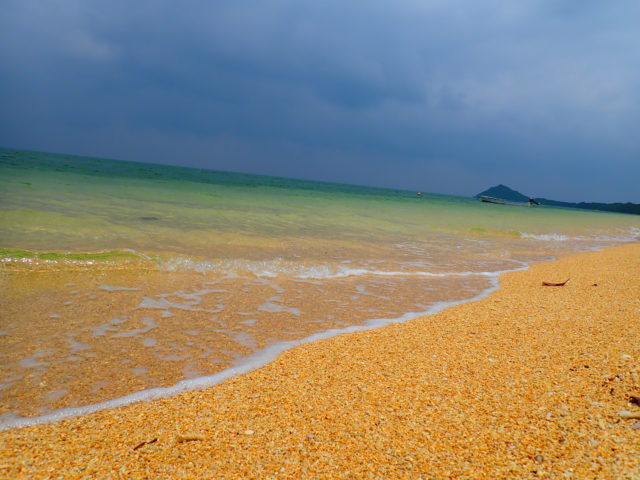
{"type": "Point", "coordinates": [120, 389]}
{"type": "Point", "coordinates": [523, 380]}
{"type": "Point", "coordinates": [245, 365]}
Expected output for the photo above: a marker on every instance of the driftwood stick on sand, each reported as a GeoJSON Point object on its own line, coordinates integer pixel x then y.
{"type": "Point", "coordinates": [552, 284]}
{"type": "Point", "coordinates": [142, 444]}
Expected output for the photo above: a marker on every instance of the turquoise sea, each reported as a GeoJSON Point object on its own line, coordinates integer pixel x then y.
{"type": "Point", "coordinates": [124, 281]}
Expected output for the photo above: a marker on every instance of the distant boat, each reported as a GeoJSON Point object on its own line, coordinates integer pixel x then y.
{"type": "Point", "coordinates": [499, 201]}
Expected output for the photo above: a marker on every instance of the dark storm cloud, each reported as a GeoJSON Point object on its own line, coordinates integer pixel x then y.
{"type": "Point", "coordinates": [450, 96]}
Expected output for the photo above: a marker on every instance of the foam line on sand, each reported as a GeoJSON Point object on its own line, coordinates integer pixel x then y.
{"type": "Point", "coordinates": [243, 365]}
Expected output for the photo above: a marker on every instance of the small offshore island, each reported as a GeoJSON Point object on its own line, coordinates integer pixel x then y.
{"type": "Point", "coordinates": [506, 193]}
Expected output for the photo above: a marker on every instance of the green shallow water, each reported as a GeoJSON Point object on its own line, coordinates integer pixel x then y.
{"type": "Point", "coordinates": [83, 204]}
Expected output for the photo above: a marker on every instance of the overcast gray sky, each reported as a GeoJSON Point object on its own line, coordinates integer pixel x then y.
{"type": "Point", "coordinates": [449, 96]}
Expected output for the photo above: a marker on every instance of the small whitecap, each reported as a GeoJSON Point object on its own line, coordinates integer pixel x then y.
{"type": "Point", "coordinates": [101, 330]}
{"type": "Point", "coordinates": [556, 237]}
{"type": "Point", "coordinates": [99, 385]}
{"type": "Point", "coordinates": [149, 323]}
{"type": "Point", "coordinates": [76, 346]}
{"type": "Point", "coordinates": [165, 304]}
{"type": "Point", "coordinates": [116, 288]}
{"type": "Point", "coordinates": [31, 362]}
{"type": "Point", "coordinates": [244, 339]}
{"type": "Point", "coordinates": [173, 356]}
{"type": "Point", "coordinates": [55, 395]}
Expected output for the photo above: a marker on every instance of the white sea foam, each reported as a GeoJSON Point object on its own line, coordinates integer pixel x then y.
{"type": "Point", "coordinates": [101, 330]}
{"type": "Point", "coordinates": [630, 236]}
{"type": "Point", "coordinates": [242, 365]}
{"type": "Point", "coordinates": [191, 303]}
{"type": "Point", "coordinates": [625, 235]}
{"type": "Point", "coordinates": [173, 356]}
{"type": "Point", "coordinates": [149, 324]}
{"type": "Point", "coordinates": [163, 304]}
{"type": "Point", "coordinates": [76, 346]}
{"type": "Point", "coordinates": [191, 370]}
{"type": "Point", "coordinates": [245, 339]}
{"type": "Point", "coordinates": [554, 237]}
{"type": "Point", "coordinates": [99, 385]}
{"type": "Point", "coordinates": [295, 270]}
{"type": "Point", "coordinates": [270, 306]}
{"type": "Point", "coordinates": [55, 395]}
{"type": "Point", "coordinates": [34, 360]}
{"type": "Point", "coordinates": [113, 288]}
{"type": "Point", "coordinates": [32, 363]}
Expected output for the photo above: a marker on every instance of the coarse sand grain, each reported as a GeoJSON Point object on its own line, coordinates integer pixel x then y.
{"type": "Point", "coordinates": [530, 382]}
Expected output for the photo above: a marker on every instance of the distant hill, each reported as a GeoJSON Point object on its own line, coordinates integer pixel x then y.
{"type": "Point", "coordinates": [628, 207]}
{"type": "Point", "coordinates": [506, 193]}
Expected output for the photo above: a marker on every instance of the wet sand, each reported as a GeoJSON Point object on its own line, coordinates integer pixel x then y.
{"type": "Point", "coordinates": [527, 383]}
{"type": "Point", "coordinates": [76, 336]}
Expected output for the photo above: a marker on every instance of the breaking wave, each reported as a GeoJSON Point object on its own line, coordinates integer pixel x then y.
{"type": "Point", "coordinates": [280, 267]}
{"type": "Point", "coordinates": [620, 236]}
{"type": "Point", "coordinates": [555, 237]}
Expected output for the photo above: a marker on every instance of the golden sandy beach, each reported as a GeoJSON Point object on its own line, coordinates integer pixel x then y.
{"type": "Point", "coordinates": [530, 382]}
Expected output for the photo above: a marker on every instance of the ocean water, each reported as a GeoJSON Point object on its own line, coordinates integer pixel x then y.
{"type": "Point", "coordinates": [124, 281]}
